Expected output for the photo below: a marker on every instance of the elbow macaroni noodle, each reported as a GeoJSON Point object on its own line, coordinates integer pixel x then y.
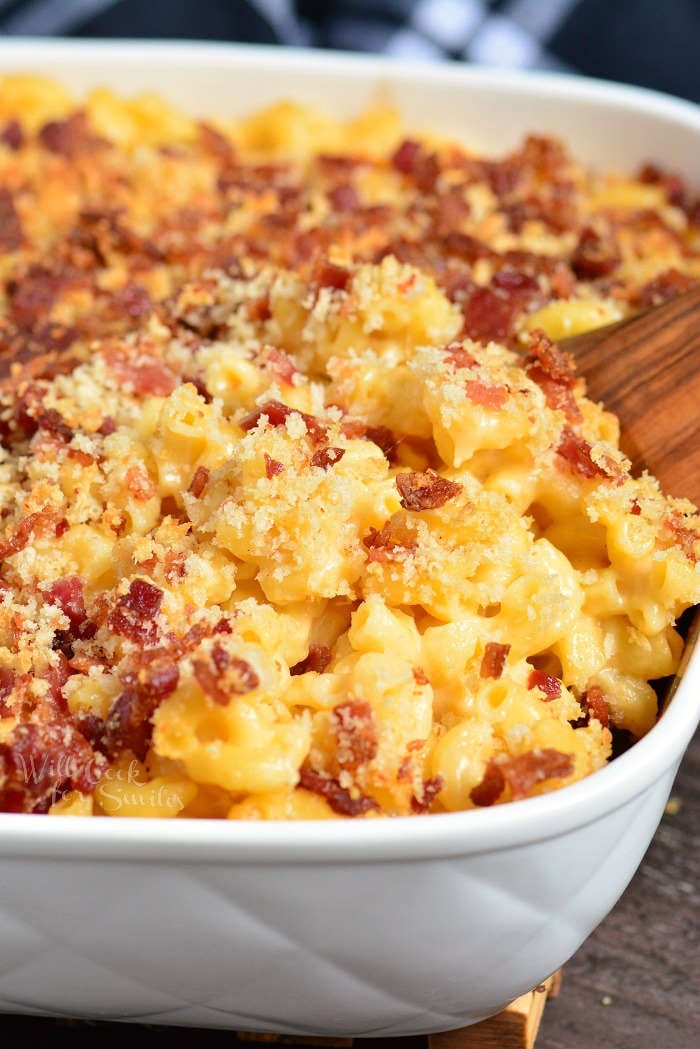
{"type": "Point", "coordinates": [303, 515]}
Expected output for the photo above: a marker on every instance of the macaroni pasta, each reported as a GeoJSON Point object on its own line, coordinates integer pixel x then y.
{"type": "Point", "coordinates": [304, 514]}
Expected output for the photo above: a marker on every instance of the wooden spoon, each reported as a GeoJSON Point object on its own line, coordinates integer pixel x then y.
{"type": "Point", "coordinates": [646, 369]}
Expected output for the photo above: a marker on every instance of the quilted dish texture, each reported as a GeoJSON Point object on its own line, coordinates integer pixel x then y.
{"type": "Point", "coordinates": [269, 948]}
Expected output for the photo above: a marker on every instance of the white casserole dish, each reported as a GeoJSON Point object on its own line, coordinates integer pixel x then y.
{"type": "Point", "coordinates": [366, 928]}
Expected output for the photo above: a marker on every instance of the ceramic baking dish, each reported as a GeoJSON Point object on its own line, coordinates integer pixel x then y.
{"type": "Point", "coordinates": [350, 928]}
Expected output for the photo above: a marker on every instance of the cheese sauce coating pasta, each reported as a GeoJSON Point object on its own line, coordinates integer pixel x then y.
{"type": "Point", "coordinates": [303, 512]}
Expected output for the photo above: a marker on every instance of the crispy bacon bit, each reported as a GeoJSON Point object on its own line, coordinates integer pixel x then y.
{"type": "Point", "coordinates": [457, 284]}
{"type": "Point", "coordinates": [355, 730]}
{"type": "Point", "coordinates": [672, 184]}
{"type": "Point", "coordinates": [139, 484]}
{"type": "Point", "coordinates": [338, 798]}
{"type": "Point", "coordinates": [526, 771]}
{"type": "Point", "coordinates": [392, 542]}
{"type": "Point", "coordinates": [107, 426]}
{"type": "Point", "coordinates": [466, 248]}
{"type": "Point", "coordinates": [84, 458]}
{"type": "Point", "coordinates": [241, 676]}
{"type": "Point", "coordinates": [133, 301]}
{"type": "Point", "coordinates": [594, 702]}
{"type": "Point", "coordinates": [352, 427]}
{"type": "Point", "coordinates": [128, 725]}
{"type": "Point", "coordinates": [504, 175]}
{"type": "Point", "coordinates": [11, 234]}
{"type": "Point", "coordinates": [68, 137]}
{"type": "Point", "coordinates": [327, 457]}
{"type": "Point", "coordinates": [208, 680]}
{"type": "Point", "coordinates": [41, 523]}
{"type": "Point", "coordinates": [576, 451]}
{"type": "Point", "coordinates": [513, 281]}
{"type": "Point", "coordinates": [169, 507]}
{"type": "Point", "coordinates": [92, 727]}
{"type": "Point", "coordinates": [259, 311]}
{"type": "Point", "coordinates": [214, 142]}
{"type": "Point", "coordinates": [273, 467]}
{"type": "Point", "coordinates": [199, 482]}
{"type": "Point", "coordinates": [431, 789]}
{"type": "Point", "coordinates": [144, 374]}
{"type": "Point", "coordinates": [134, 614]}
{"type": "Point", "coordinates": [33, 294]}
{"type": "Point", "coordinates": [554, 373]}
{"type": "Point", "coordinates": [7, 681]}
{"type": "Point", "coordinates": [685, 537]}
{"type": "Point", "coordinates": [339, 163]}
{"type": "Point", "coordinates": [493, 659]}
{"type": "Point", "coordinates": [225, 676]}
{"type": "Point", "coordinates": [51, 421]}
{"type": "Point", "coordinates": [425, 491]}
{"type": "Point", "coordinates": [12, 135]}
{"type": "Point", "coordinates": [594, 257]}
{"type": "Point", "coordinates": [692, 210]}
{"type": "Point", "coordinates": [450, 210]}
{"type": "Point", "coordinates": [635, 508]}
{"type": "Point", "coordinates": [40, 763]}
{"type": "Point", "coordinates": [562, 282]}
{"type": "Point", "coordinates": [277, 415]}
{"type": "Point", "coordinates": [385, 439]}
{"type": "Point", "coordinates": [550, 359]}
{"type": "Point", "coordinates": [490, 317]}
{"type": "Point", "coordinates": [404, 773]}
{"type": "Point", "coordinates": [344, 198]}
{"type": "Point", "coordinates": [666, 286]}
{"type": "Point", "coordinates": [406, 155]}
{"type": "Point", "coordinates": [161, 679]}
{"type": "Point", "coordinates": [143, 599]}
{"type": "Point", "coordinates": [328, 275]}
{"type": "Point", "coordinates": [40, 348]}
{"type": "Point", "coordinates": [104, 234]}
{"type": "Point", "coordinates": [419, 676]}
{"type": "Point", "coordinates": [56, 677]}
{"type": "Point", "coordinates": [280, 364]}
{"type": "Point", "coordinates": [220, 658]}
{"type": "Point", "coordinates": [317, 661]}
{"type": "Point", "coordinates": [458, 357]}
{"type": "Point", "coordinates": [426, 171]}
{"type": "Point", "coordinates": [547, 683]}
{"type": "Point", "coordinates": [275, 412]}
{"type": "Point", "coordinates": [489, 790]}
{"type": "Point", "coordinates": [521, 774]}
{"type": "Point", "coordinates": [555, 208]}
{"type": "Point", "coordinates": [67, 594]}
{"type": "Point", "coordinates": [486, 395]}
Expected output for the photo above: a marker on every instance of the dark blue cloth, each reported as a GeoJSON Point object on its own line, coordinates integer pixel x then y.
{"type": "Point", "coordinates": [639, 41]}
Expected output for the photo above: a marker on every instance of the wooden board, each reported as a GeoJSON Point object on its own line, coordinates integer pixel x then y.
{"type": "Point", "coordinates": [515, 1027]}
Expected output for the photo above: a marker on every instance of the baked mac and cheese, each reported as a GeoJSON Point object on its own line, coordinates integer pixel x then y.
{"type": "Point", "coordinates": [304, 513]}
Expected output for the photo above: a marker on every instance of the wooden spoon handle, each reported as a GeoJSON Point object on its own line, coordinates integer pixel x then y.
{"type": "Point", "coordinates": [646, 370]}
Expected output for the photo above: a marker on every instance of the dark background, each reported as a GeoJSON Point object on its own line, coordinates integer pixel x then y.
{"type": "Point", "coordinates": [646, 42]}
